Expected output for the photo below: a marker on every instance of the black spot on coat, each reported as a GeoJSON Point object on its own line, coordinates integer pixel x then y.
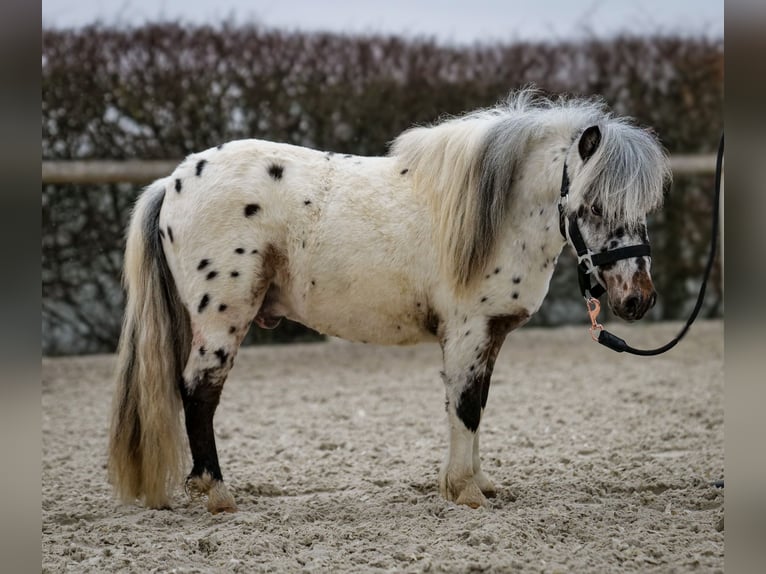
{"type": "Point", "coordinates": [432, 322]}
{"type": "Point", "coordinates": [222, 356]}
{"type": "Point", "coordinates": [276, 171]}
{"type": "Point", "coordinates": [251, 209]}
{"type": "Point", "coordinates": [200, 166]}
{"type": "Point", "coordinates": [212, 275]}
{"type": "Point", "coordinates": [239, 250]}
{"type": "Point", "coordinates": [178, 186]}
{"type": "Point", "coordinates": [202, 264]}
{"type": "Point", "coordinates": [170, 234]}
{"type": "Point", "coordinates": [203, 303]}
{"type": "Point", "coordinates": [404, 171]}
{"type": "Point", "coordinates": [222, 307]}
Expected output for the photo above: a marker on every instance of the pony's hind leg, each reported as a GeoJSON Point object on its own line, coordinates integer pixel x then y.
{"type": "Point", "coordinates": [210, 360]}
{"type": "Point", "coordinates": [219, 324]}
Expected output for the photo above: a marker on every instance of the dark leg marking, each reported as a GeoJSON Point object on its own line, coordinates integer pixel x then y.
{"type": "Point", "coordinates": [276, 171]}
{"type": "Point", "coordinates": [200, 166]}
{"type": "Point", "coordinates": [203, 303]}
{"type": "Point", "coordinates": [199, 408]}
{"type": "Point", "coordinates": [474, 395]}
{"type": "Point", "coordinates": [251, 209]}
{"type": "Point", "coordinates": [178, 186]}
{"type": "Point", "coordinates": [468, 406]}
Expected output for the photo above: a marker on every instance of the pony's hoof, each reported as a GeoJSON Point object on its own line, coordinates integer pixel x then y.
{"type": "Point", "coordinates": [219, 500]}
{"type": "Point", "coordinates": [219, 509]}
{"type": "Point", "coordinates": [485, 485]}
{"type": "Point", "coordinates": [471, 496]}
{"type": "Point", "coordinates": [465, 492]}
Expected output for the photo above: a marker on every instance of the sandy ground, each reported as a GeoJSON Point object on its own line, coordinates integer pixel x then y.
{"type": "Point", "coordinates": [603, 462]}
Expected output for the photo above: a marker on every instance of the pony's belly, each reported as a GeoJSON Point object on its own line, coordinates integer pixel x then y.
{"type": "Point", "coordinates": [367, 319]}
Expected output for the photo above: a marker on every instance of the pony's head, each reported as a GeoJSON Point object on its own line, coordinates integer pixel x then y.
{"type": "Point", "coordinates": [617, 174]}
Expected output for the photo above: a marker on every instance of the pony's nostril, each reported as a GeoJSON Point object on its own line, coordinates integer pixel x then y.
{"type": "Point", "coordinates": [631, 305]}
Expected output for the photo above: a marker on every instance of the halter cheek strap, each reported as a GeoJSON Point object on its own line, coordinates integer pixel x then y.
{"type": "Point", "coordinates": [587, 261]}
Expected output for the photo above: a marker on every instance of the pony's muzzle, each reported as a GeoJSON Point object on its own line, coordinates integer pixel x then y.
{"type": "Point", "coordinates": [635, 305]}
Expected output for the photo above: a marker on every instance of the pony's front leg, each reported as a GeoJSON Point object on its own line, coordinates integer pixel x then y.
{"type": "Point", "coordinates": [457, 481]}
{"type": "Point", "coordinates": [470, 351]}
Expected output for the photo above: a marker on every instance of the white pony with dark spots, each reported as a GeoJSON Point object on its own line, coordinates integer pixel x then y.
{"type": "Point", "coordinates": [450, 238]}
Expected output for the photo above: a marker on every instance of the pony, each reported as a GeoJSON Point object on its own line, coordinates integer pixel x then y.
{"type": "Point", "coordinates": [451, 237]}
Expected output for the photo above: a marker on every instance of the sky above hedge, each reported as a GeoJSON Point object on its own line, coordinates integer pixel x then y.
{"type": "Point", "coordinates": [446, 20]}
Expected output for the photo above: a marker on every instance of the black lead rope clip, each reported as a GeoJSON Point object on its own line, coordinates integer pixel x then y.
{"type": "Point", "coordinates": [604, 337]}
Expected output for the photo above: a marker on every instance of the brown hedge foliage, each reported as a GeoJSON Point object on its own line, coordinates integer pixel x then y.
{"type": "Point", "coordinates": [162, 91]}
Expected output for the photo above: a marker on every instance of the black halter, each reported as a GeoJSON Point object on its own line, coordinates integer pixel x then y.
{"type": "Point", "coordinates": [587, 261]}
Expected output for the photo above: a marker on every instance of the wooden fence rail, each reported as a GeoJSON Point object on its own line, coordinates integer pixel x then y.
{"type": "Point", "coordinates": [144, 171]}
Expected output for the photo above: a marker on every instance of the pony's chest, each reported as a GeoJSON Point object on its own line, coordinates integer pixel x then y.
{"type": "Point", "coordinates": [516, 283]}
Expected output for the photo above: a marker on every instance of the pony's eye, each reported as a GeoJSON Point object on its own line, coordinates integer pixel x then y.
{"type": "Point", "coordinates": [596, 210]}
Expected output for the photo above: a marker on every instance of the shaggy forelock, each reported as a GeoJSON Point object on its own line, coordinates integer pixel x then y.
{"type": "Point", "coordinates": [625, 176]}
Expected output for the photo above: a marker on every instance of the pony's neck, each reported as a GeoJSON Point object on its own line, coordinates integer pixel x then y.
{"type": "Point", "coordinates": [540, 188]}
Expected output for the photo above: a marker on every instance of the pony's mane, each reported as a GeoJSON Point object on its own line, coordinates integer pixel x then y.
{"type": "Point", "coordinates": [467, 166]}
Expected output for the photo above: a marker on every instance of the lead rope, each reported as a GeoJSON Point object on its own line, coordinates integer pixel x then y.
{"type": "Point", "coordinates": [613, 341]}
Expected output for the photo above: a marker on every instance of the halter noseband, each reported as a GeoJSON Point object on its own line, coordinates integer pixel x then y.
{"type": "Point", "coordinates": [587, 261]}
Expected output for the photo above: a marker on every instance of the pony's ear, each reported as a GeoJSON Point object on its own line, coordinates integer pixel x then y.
{"type": "Point", "coordinates": [589, 141]}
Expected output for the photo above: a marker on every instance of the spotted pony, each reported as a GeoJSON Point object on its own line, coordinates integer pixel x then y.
{"type": "Point", "coordinates": [452, 237]}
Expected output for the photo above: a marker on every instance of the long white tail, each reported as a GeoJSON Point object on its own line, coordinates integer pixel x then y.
{"type": "Point", "coordinates": [146, 441]}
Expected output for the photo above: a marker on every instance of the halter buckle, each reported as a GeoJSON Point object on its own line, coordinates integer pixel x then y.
{"type": "Point", "coordinates": [594, 308]}
{"type": "Point", "coordinates": [586, 257]}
